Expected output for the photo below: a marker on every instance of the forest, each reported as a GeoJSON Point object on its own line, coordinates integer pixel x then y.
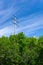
{"type": "Point", "coordinates": [18, 49]}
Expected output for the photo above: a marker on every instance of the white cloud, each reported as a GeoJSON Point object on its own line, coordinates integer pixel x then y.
{"type": "Point", "coordinates": [31, 24]}
{"type": "Point", "coordinates": [7, 13]}
{"type": "Point", "coordinates": [6, 31]}
{"type": "Point", "coordinates": [35, 25]}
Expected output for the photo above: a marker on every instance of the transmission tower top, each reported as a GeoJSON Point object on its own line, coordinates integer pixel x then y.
{"type": "Point", "coordinates": [14, 17]}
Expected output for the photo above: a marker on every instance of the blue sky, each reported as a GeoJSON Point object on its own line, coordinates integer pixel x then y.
{"type": "Point", "coordinates": [29, 14]}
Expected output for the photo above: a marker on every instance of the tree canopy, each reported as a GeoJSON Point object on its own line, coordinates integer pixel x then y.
{"type": "Point", "coordinates": [21, 50]}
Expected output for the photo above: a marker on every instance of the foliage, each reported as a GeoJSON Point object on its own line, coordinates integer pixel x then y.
{"type": "Point", "coordinates": [21, 50]}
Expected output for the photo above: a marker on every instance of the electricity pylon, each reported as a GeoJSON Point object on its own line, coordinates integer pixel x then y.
{"type": "Point", "coordinates": [14, 24]}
